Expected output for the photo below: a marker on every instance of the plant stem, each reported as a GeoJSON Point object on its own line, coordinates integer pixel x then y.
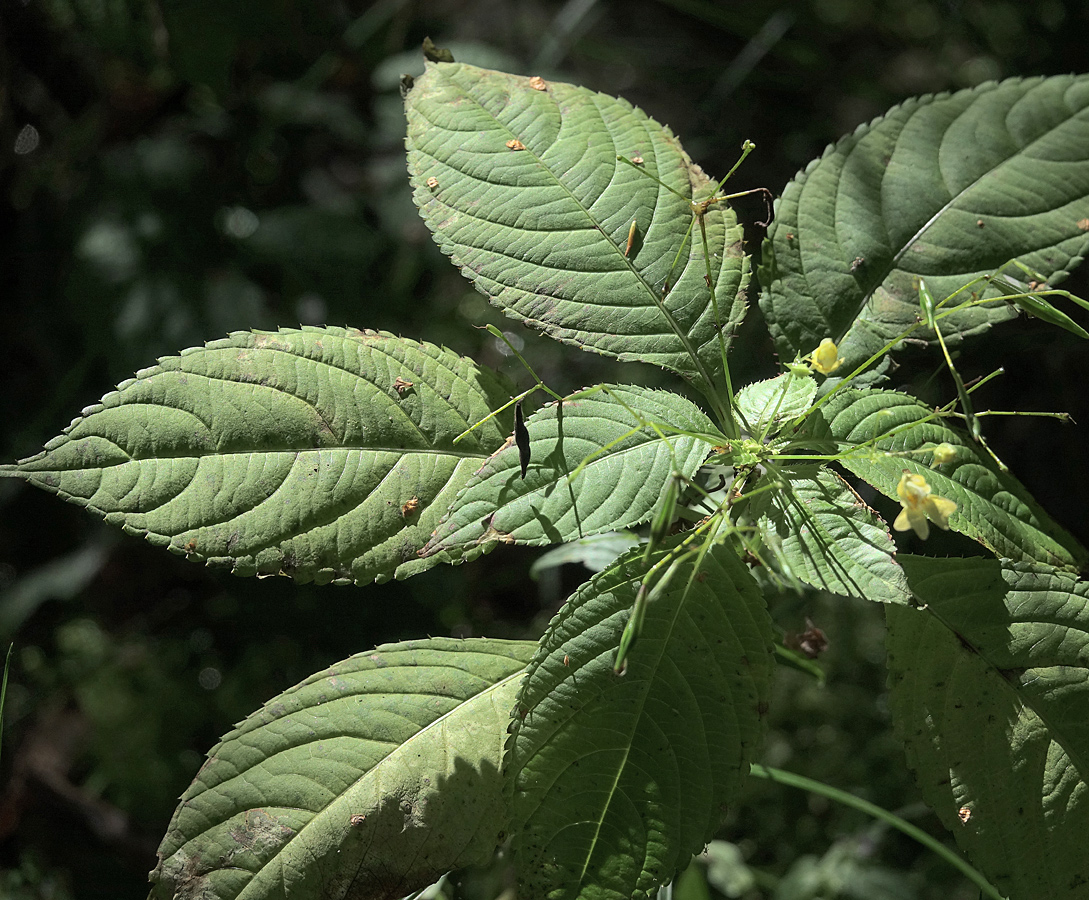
{"type": "Point", "coordinates": [4, 689]}
{"type": "Point", "coordinates": [872, 809]}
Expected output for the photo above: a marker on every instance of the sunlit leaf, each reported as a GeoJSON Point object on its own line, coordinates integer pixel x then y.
{"type": "Point", "coordinates": [619, 779]}
{"type": "Point", "coordinates": [766, 404]}
{"type": "Point", "coordinates": [628, 464]}
{"type": "Point", "coordinates": [948, 187]}
{"type": "Point", "coordinates": [829, 538]}
{"type": "Point", "coordinates": [322, 454]}
{"type": "Point", "coordinates": [369, 779]}
{"type": "Point", "coordinates": [519, 180]}
{"type": "Point", "coordinates": [888, 429]}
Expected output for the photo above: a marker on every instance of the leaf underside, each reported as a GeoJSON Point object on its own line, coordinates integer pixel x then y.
{"type": "Point", "coordinates": [369, 779]}
{"type": "Point", "coordinates": [619, 487]}
{"type": "Point", "coordinates": [522, 189]}
{"type": "Point", "coordinates": [826, 537]}
{"type": "Point", "coordinates": [324, 454]}
{"type": "Point", "coordinates": [990, 693]}
{"type": "Point", "coordinates": [619, 779]}
{"type": "Point", "coordinates": [993, 507]}
{"type": "Point", "coordinates": [943, 187]}
{"type": "Point", "coordinates": [765, 405]}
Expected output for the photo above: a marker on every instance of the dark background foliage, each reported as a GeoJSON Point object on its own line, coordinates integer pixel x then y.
{"type": "Point", "coordinates": [172, 170]}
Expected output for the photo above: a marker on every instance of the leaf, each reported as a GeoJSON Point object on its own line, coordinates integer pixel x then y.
{"type": "Point", "coordinates": [618, 487]}
{"type": "Point", "coordinates": [369, 779]}
{"type": "Point", "coordinates": [324, 454]}
{"type": "Point", "coordinates": [523, 190]}
{"type": "Point", "coordinates": [830, 539]}
{"type": "Point", "coordinates": [889, 429]}
{"type": "Point", "coordinates": [619, 779]}
{"type": "Point", "coordinates": [990, 693]}
{"type": "Point", "coordinates": [948, 187]}
{"type": "Point", "coordinates": [766, 404]}
{"type": "Point", "coordinates": [595, 553]}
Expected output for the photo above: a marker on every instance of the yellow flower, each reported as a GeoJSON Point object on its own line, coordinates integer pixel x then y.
{"type": "Point", "coordinates": [826, 358]}
{"type": "Point", "coordinates": [920, 505]}
{"type": "Point", "coordinates": [944, 453]}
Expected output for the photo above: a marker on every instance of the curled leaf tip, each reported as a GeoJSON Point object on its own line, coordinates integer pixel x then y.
{"type": "Point", "coordinates": [826, 358]}
{"type": "Point", "coordinates": [920, 504]}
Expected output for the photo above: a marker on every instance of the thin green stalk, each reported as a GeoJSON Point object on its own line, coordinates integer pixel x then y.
{"type": "Point", "coordinates": [495, 332]}
{"type": "Point", "coordinates": [539, 386]}
{"type": "Point", "coordinates": [877, 812]}
{"type": "Point", "coordinates": [4, 689]}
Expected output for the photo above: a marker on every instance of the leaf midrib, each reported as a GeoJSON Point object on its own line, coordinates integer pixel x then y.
{"type": "Point", "coordinates": [894, 263]}
{"type": "Point", "coordinates": [648, 290]}
{"type": "Point", "coordinates": [320, 814]}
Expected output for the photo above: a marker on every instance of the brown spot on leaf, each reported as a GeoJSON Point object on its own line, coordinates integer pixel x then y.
{"type": "Point", "coordinates": [1083, 224]}
{"type": "Point", "coordinates": [493, 534]}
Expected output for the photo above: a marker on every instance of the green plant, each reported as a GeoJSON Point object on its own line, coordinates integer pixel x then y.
{"type": "Point", "coordinates": [607, 751]}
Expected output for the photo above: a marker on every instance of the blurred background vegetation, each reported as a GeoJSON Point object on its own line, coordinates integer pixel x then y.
{"type": "Point", "coordinates": [171, 170]}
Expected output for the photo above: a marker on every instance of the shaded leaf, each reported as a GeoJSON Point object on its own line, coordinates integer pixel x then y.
{"type": "Point", "coordinates": [990, 693]}
{"type": "Point", "coordinates": [369, 779]}
{"type": "Point", "coordinates": [523, 190]}
{"type": "Point", "coordinates": [619, 779]}
{"type": "Point", "coordinates": [992, 506]}
{"type": "Point", "coordinates": [948, 187]}
{"type": "Point", "coordinates": [323, 453]}
{"type": "Point", "coordinates": [619, 487]}
{"type": "Point", "coordinates": [593, 552]}
{"type": "Point", "coordinates": [829, 538]}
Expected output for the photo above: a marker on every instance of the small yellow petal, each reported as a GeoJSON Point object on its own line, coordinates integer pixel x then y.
{"type": "Point", "coordinates": [912, 490]}
{"type": "Point", "coordinates": [919, 505]}
{"type": "Point", "coordinates": [826, 358]}
{"type": "Point", "coordinates": [938, 510]}
{"type": "Point", "coordinates": [919, 523]}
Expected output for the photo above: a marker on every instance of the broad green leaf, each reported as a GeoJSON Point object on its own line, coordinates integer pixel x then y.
{"type": "Point", "coordinates": [628, 464]}
{"type": "Point", "coordinates": [892, 432]}
{"type": "Point", "coordinates": [829, 538]}
{"type": "Point", "coordinates": [369, 779]}
{"type": "Point", "coordinates": [766, 404]}
{"type": "Point", "coordinates": [948, 187]}
{"type": "Point", "coordinates": [990, 693]}
{"type": "Point", "coordinates": [519, 180]}
{"type": "Point", "coordinates": [324, 454]}
{"type": "Point", "coordinates": [619, 779]}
